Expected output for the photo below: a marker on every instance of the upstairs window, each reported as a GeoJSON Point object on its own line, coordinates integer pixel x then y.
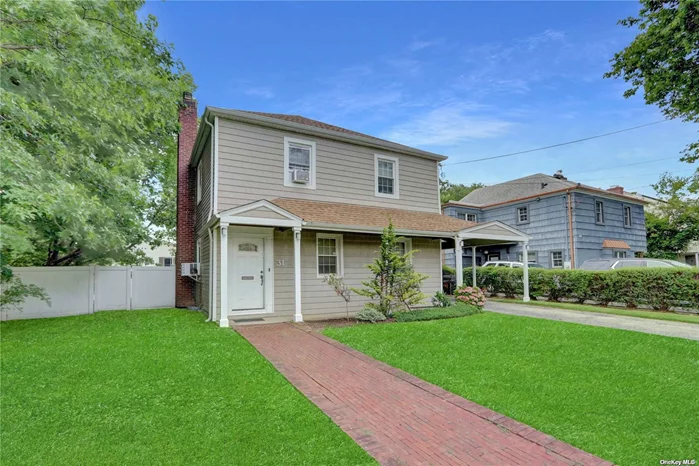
{"type": "Point", "coordinates": [299, 163]}
{"type": "Point", "coordinates": [627, 216]}
{"type": "Point", "coordinates": [523, 214]}
{"type": "Point", "coordinates": [461, 216]}
{"type": "Point", "coordinates": [386, 169]}
{"type": "Point", "coordinates": [471, 217]}
{"type": "Point", "coordinates": [599, 212]}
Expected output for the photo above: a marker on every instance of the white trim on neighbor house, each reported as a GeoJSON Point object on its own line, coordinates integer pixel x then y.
{"type": "Point", "coordinates": [396, 169]}
{"type": "Point", "coordinates": [267, 234]}
{"type": "Point", "coordinates": [288, 141]}
{"type": "Point", "coordinates": [339, 254]}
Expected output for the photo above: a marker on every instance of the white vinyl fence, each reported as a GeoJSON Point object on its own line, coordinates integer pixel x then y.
{"type": "Point", "coordinates": [84, 290]}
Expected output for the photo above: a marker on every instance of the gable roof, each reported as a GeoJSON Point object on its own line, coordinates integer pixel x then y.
{"type": "Point", "coordinates": [335, 213]}
{"type": "Point", "coordinates": [303, 125]}
{"type": "Point", "coordinates": [530, 186]}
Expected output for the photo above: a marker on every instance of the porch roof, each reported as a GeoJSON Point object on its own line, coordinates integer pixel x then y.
{"type": "Point", "coordinates": [319, 213]}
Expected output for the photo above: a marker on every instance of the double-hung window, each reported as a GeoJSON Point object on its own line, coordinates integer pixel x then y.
{"type": "Point", "coordinates": [557, 259]}
{"type": "Point", "coordinates": [299, 163]}
{"type": "Point", "coordinates": [329, 254]}
{"type": "Point", "coordinates": [523, 214]}
{"type": "Point", "coordinates": [599, 212]}
{"type": "Point", "coordinates": [404, 246]}
{"type": "Point", "coordinates": [471, 217]}
{"type": "Point", "coordinates": [531, 257]}
{"type": "Point", "coordinates": [627, 216]}
{"type": "Point", "coordinates": [386, 173]}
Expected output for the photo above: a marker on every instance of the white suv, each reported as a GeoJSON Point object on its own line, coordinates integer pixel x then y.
{"type": "Point", "coordinates": [511, 264]}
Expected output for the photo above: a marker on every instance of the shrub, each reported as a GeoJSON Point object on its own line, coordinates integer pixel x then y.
{"type": "Point", "coordinates": [470, 295]}
{"type": "Point", "coordinates": [446, 270]}
{"type": "Point", "coordinates": [369, 314]}
{"type": "Point", "coordinates": [458, 310]}
{"type": "Point", "coordinates": [660, 289]}
{"type": "Point", "coordinates": [440, 299]}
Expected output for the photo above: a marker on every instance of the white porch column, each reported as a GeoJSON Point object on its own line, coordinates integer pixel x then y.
{"type": "Point", "coordinates": [459, 252]}
{"type": "Point", "coordinates": [696, 260]}
{"type": "Point", "coordinates": [525, 275]}
{"type": "Point", "coordinates": [473, 265]}
{"type": "Point", "coordinates": [224, 276]}
{"type": "Point", "coordinates": [298, 315]}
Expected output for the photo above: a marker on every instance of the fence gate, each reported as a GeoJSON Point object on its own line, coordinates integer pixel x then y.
{"type": "Point", "coordinates": [84, 290]}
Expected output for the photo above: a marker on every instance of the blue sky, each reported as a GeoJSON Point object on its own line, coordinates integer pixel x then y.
{"type": "Point", "coordinates": [467, 80]}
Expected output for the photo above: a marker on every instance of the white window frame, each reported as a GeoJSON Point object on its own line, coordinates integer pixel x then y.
{"type": "Point", "coordinates": [396, 171]}
{"type": "Point", "coordinates": [338, 249]}
{"type": "Point", "coordinates": [627, 208]}
{"type": "Point", "coordinates": [600, 213]}
{"type": "Point", "coordinates": [200, 177]}
{"type": "Point", "coordinates": [312, 175]}
{"type": "Point", "coordinates": [519, 217]}
{"type": "Point", "coordinates": [472, 217]}
{"type": "Point", "coordinates": [530, 255]}
{"type": "Point", "coordinates": [620, 254]}
{"type": "Point", "coordinates": [553, 262]}
{"type": "Point", "coordinates": [408, 245]}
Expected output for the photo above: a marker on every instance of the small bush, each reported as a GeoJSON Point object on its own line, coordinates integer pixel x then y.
{"type": "Point", "coordinates": [458, 310]}
{"type": "Point", "coordinates": [471, 296]}
{"type": "Point", "coordinates": [660, 289]}
{"type": "Point", "coordinates": [440, 299]}
{"type": "Point", "coordinates": [446, 270]}
{"type": "Point", "coordinates": [369, 314]}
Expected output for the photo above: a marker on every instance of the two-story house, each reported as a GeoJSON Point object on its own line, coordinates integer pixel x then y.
{"type": "Point", "coordinates": [270, 204]}
{"type": "Point", "coordinates": [568, 222]}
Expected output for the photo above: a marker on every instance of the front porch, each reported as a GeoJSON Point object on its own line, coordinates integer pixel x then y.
{"type": "Point", "coordinates": [268, 258]}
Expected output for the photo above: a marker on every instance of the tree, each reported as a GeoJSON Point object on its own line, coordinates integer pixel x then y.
{"type": "Point", "coordinates": [670, 231]}
{"type": "Point", "coordinates": [88, 118]}
{"type": "Point", "coordinates": [454, 191]}
{"type": "Point", "coordinates": [395, 284]}
{"type": "Point", "coordinates": [663, 59]}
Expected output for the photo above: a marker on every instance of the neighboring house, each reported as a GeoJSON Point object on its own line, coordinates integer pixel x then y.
{"type": "Point", "coordinates": [162, 255]}
{"type": "Point", "coordinates": [270, 204]}
{"type": "Point", "coordinates": [568, 222]}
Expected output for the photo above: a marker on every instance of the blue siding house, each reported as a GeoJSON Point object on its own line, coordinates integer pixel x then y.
{"type": "Point", "coordinates": [568, 222]}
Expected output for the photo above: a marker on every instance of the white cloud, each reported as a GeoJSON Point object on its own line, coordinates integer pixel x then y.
{"type": "Point", "coordinates": [447, 126]}
{"type": "Point", "coordinates": [418, 45]}
{"type": "Point", "coordinates": [262, 92]}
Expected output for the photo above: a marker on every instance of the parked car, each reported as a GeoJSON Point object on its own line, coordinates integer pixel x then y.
{"type": "Point", "coordinates": [512, 264]}
{"type": "Point", "coordinates": [629, 262]}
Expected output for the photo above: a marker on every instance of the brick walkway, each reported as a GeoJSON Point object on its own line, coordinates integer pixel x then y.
{"type": "Point", "coordinates": [398, 418]}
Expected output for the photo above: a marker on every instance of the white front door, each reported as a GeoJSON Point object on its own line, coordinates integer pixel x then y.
{"type": "Point", "coordinates": [247, 282]}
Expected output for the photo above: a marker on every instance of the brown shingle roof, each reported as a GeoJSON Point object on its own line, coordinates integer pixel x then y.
{"type": "Point", "coordinates": [336, 213]}
{"type": "Point", "coordinates": [615, 244]}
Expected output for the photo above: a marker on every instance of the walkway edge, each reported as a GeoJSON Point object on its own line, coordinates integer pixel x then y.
{"type": "Point", "coordinates": [524, 431]}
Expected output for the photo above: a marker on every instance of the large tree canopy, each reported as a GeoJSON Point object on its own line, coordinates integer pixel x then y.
{"type": "Point", "coordinates": [663, 59]}
{"type": "Point", "coordinates": [454, 191]}
{"type": "Point", "coordinates": [88, 120]}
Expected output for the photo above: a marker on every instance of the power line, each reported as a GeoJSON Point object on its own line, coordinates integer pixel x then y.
{"type": "Point", "coordinates": [640, 174]}
{"type": "Point", "coordinates": [556, 145]}
{"type": "Point", "coordinates": [626, 165]}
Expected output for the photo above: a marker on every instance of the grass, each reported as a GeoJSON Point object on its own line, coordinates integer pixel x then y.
{"type": "Point", "coordinates": [434, 313]}
{"type": "Point", "coordinates": [628, 397]}
{"type": "Point", "coordinates": [153, 387]}
{"type": "Point", "coordinates": [658, 315]}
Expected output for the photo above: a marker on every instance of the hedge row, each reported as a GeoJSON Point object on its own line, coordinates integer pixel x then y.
{"type": "Point", "coordinates": [660, 289]}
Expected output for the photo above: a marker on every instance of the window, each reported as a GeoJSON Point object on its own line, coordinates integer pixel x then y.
{"type": "Point", "coordinates": [165, 261]}
{"type": "Point", "coordinates": [599, 212]}
{"type": "Point", "coordinates": [471, 217]}
{"type": "Point", "coordinates": [461, 216]}
{"type": "Point", "coordinates": [299, 163]}
{"type": "Point", "coordinates": [329, 254]}
{"type": "Point", "coordinates": [627, 216]}
{"type": "Point", "coordinates": [200, 176]}
{"type": "Point", "coordinates": [523, 214]}
{"type": "Point", "coordinates": [531, 256]}
{"type": "Point", "coordinates": [619, 254]}
{"type": "Point", "coordinates": [403, 246]}
{"type": "Point", "coordinates": [557, 259]}
{"type": "Point", "coordinates": [386, 170]}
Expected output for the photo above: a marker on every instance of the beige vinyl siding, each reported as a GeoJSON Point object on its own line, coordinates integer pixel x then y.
{"type": "Point", "coordinates": [263, 212]}
{"type": "Point", "coordinates": [203, 207]}
{"type": "Point", "coordinates": [251, 167]}
{"type": "Point", "coordinates": [202, 286]}
{"type": "Point", "coordinates": [317, 298]}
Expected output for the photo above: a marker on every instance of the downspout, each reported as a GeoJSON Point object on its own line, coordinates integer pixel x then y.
{"type": "Point", "coordinates": [211, 282]}
{"type": "Point", "coordinates": [570, 231]}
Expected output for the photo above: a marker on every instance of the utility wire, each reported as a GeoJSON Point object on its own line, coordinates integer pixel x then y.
{"type": "Point", "coordinates": [556, 145]}
{"type": "Point", "coordinates": [625, 165]}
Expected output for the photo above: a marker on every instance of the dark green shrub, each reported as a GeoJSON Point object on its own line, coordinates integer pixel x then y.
{"type": "Point", "coordinates": [440, 299]}
{"type": "Point", "coordinates": [457, 310]}
{"type": "Point", "coordinates": [660, 289]}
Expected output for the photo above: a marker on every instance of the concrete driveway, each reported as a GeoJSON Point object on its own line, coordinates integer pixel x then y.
{"type": "Point", "coordinates": [636, 324]}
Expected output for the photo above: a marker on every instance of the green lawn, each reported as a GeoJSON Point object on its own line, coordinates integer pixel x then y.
{"type": "Point", "coordinates": [673, 316]}
{"type": "Point", "coordinates": [628, 397]}
{"type": "Point", "coordinates": [153, 387]}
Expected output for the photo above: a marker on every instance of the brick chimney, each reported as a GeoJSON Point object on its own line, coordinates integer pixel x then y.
{"type": "Point", "coordinates": [616, 190]}
{"type": "Point", "coordinates": [186, 202]}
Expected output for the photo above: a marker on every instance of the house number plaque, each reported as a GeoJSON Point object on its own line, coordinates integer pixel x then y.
{"type": "Point", "coordinates": [281, 262]}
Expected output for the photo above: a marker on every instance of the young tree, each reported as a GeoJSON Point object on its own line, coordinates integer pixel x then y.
{"type": "Point", "coordinates": [395, 284]}
{"type": "Point", "coordinates": [663, 59]}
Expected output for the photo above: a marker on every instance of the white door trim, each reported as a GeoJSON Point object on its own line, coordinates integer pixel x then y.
{"type": "Point", "coordinates": [267, 234]}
